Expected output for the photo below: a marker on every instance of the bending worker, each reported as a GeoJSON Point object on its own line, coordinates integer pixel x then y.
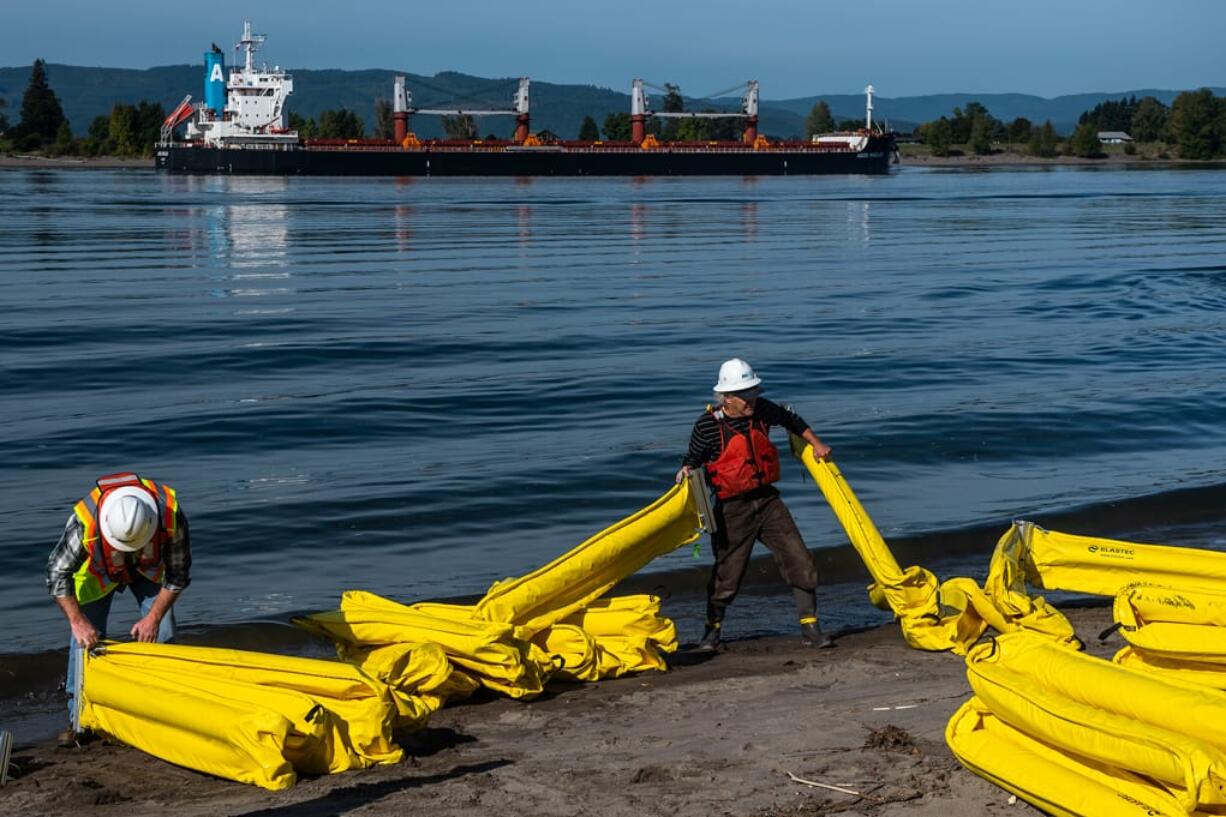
{"type": "Point", "coordinates": [129, 533]}
{"type": "Point", "coordinates": [732, 441]}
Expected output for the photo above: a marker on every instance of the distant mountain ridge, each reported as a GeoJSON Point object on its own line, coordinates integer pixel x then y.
{"type": "Point", "coordinates": [88, 92]}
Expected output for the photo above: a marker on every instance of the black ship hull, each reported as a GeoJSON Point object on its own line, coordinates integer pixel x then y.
{"type": "Point", "coordinates": [544, 161]}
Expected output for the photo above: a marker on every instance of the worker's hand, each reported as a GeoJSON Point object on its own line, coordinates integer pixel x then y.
{"type": "Point", "coordinates": [85, 634]}
{"type": "Point", "coordinates": [683, 473]}
{"type": "Point", "coordinates": [821, 451]}
{"type": "Point", "coordinates": [146, 629]}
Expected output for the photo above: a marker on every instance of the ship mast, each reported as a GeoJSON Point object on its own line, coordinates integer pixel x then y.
{"type": "Point", "coordinates": [868, 113]}
{"type": "Point", "coordinates": [249, 43]}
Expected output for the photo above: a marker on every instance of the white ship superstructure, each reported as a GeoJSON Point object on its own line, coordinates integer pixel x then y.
{"type": "Point", "coordinates": [254, 103]}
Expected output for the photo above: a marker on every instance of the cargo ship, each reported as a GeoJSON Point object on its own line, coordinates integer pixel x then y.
{"type": "Point", "coordinates": [240, 128]}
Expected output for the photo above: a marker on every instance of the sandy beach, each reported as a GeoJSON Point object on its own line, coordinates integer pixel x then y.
{"type": "Point", "coordinates": [717, 735]}
{"type": "Point", "coordinates": [73, 162]}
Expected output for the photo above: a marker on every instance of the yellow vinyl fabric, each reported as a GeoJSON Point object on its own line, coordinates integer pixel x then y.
{"type": "Point", "coordinates": [569, 583]}
{"type": "Point", "coordinates": [362, 706]}
{"type": "Point", "coordinates": [1055, 782]}
{"type": "Point", "coordinates": [1094, 714]}
{"type": "Point", "coordinates": [420, 677]}
{"type": "Point", "coordinates": [1188, 625]}
{"type": "Point", "coordinates": [1006, 587]}
{"type": "Point", "coordinates": [239, 731]}
{"type": "Point", "coordinates": [1204, 673]}
{"type": "Point", "coordinates": [1105, 567]}
{"type": "Point", "coordinates": [487, 651]}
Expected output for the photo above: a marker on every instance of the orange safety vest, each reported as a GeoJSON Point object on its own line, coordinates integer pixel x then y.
{"type": "Point", "coordinates": [107, 567]}
{"type": "Point", "coordinates": [747, 460]}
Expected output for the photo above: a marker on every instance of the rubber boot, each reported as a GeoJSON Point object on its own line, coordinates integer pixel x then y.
{"type": "Point", "coordinates": [806, 610]}
{"type": "Point", "coordinates": [812, 636]}
{"type": "Point", "coordinates": [710, 636]}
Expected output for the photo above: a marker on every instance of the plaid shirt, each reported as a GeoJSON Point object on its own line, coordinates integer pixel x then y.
{"type": "Point", "coordinates": [70, 554]}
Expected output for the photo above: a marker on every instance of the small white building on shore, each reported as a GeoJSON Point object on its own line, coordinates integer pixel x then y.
{"type": "Point", "coordinates": [1113, 137]}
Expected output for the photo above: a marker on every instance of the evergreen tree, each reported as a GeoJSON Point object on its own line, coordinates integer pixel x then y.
{"type": "Point", "coordinates": [1019, 129]}
{"type": "Point", "coordinates": [41, 113]}
{"type": "Point", "coordinates": [345, 124]}
{"type": "Point", "coordinates": [98, 141]}
{"type": "Point", "coordinates": [1196, 124]}
{"type": "Point", "coordinates": [673, 103]}
{"type": "Point", "coordinates": [1043, 142]}
{"type": "Point", "coordinates": [63, 145]}
{"type": "Point", "coordinates": [1084, 142]}
{"type": "Point", "coordinates": [384, 122]}
{"type": "Point", "coordinates": [819, 120]}
{"type": "Point", "coordinates": [981, 140]}
{"type": "Point", "coordinates": [588, 130]}
{"type": "Point", "coordinates": [4, 120]}
{"type": "Point", "coordinates": [1148, 121]}
{"type": "Point", "coordinates": [124, 131]}
{"type": "Point", "coordinates": [306, 128]}
{"type": "Point", "coordinates": [617, 127]}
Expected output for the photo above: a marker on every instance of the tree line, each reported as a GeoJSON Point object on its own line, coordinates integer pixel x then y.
{"type": "Point", "coordinates": [1194, 125]}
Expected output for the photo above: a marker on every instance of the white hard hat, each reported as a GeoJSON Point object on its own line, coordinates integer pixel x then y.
{"type": "Point", "coordinates": [129, 518]}
{"type": "Point", "coordinates": [736, 375]}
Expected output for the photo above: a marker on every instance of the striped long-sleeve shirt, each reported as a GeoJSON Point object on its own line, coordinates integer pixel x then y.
{"type": "Point", "coordinates": [705, 445]}
{"type": "Point", "coordinates": [70, 553]}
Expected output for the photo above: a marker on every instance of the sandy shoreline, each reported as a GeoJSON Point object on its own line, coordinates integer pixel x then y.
{"type": "Point", "coordinates": [715, 735]}
{"type": "Point", "coordinates": [73, 162]}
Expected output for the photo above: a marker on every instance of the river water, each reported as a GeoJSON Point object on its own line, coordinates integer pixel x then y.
{"type": "Point", "coordinates": [418, 387]}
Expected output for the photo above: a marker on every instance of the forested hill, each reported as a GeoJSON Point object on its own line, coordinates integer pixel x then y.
{"type": "Point", "coordinates": [89, 92]}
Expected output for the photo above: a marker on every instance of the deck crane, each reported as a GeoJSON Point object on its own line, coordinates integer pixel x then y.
{"type": "Point", "coordinates": [402, 109]}
{"type": "Point", "coordinates": [640, 110]}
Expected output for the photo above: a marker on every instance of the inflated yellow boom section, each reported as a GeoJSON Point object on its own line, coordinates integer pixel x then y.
{"type": "Point", "coordinates": [263, 719]}
{"type": "Point", "coordinates": [1155, 740]}
{"type": "Point", "coordinates": [247, 716]}
{"type": "Point", "coordinates": [569, 583]}
{"type": "Point", "coordinates": [935, 616]}
{"type": "Point", "coordinates": [1105, 567]}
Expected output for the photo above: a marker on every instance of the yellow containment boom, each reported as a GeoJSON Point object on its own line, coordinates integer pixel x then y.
{"type": "Point", "coordinates": [1178, 633]}
{"type": "Point", "coordinates": [934, 616]}
{"type": "Point", "coordinates": [569, 583]}
{"type": "Point", "coordinates": [1105, 567]}
{"type": "Point", "coordinates": [1133, 736]}
{"type": "Point", "coordinates": [251, 717]}
{"type": "Point", "coordinates": [488, 652]}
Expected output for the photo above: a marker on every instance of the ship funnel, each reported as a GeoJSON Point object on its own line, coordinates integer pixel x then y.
{"type": "Point", "coordinates": [215, 81]}
{"type": "Point", "coordinates": [868, 108]}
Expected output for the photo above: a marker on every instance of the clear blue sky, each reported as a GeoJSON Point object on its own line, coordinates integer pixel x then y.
{"type": "Point", "coordinates": [795, 48]}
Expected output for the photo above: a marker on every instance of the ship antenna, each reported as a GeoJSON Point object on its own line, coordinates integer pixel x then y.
{"type": "Point", "coordinates": [249, 43]}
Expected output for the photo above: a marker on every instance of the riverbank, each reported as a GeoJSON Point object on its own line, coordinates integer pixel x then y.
{"type": "Point", "coordinates": [719, 734]}
{"type": "Point", "coordinates": [73, 162]}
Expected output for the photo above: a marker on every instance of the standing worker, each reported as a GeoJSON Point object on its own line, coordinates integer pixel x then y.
{"type": "Point", "coordinates": [732, 441]}
{"type": "Point", "coordinates": [130, 533]}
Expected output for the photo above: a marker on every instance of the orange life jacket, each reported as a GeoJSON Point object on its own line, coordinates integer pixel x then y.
{"type": "Point", "coordinates": [747, 460]}
{"type": "Point", "coordinates": [107, 567]}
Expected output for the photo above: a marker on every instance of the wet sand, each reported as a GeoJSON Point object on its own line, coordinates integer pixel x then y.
{"type": "Point", "coordinates": [717, 735]}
